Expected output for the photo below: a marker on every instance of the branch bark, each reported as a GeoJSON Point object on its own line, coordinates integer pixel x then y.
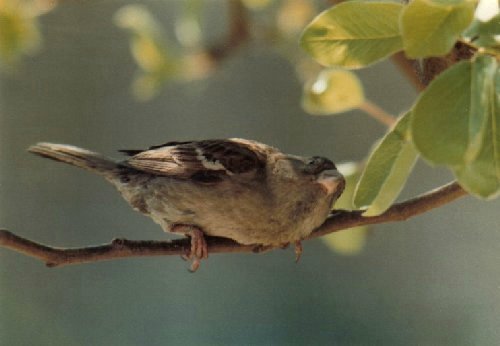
{"type": "Point", "coordinates": [123, 248]}
{"type": "Point", "coordinates": [410, 69]}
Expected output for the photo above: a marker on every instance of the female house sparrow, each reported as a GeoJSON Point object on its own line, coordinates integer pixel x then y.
{"type": "Point", "coordinates": [233, 188]}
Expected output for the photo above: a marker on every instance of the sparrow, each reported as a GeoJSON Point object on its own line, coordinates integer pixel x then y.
{"type": "Point", "coordinates": [234, 188]}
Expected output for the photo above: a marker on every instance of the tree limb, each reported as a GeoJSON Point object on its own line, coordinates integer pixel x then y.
{"type": "Point", "coordinates": [410, 69]}
{"type": "Point", "coordinates": [123, 248]}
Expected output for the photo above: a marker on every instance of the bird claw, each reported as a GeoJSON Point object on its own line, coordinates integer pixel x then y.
{"type": "Point", "coordinates": [298, 251]}
{"type": "Point", "coordinates": [199, 247]}
{"type": "Point", "coordinates": [195, 265]}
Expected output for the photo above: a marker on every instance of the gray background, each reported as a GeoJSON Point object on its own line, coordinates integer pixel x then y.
{"type": "Point", "coordinates": [432, 280]}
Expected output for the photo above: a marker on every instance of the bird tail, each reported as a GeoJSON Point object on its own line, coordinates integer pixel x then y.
{"type": "Point", "coordinates": [75, 156]}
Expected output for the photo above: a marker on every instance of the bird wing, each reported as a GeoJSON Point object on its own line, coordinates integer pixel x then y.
{"type": "Point", "coordinates": [206, 160]}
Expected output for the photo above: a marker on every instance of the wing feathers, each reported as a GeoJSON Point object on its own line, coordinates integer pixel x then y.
{"type": "Point", "coordinates": [215, 159]}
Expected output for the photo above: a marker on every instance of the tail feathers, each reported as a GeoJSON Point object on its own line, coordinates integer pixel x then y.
{"type": "Point", "coordinates": [75, 156]}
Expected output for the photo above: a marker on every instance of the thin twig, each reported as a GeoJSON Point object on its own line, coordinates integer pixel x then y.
{"type": "Point", "coordinates": [239, 32]}
{"type": "Point", "coordinates": [123, 248]}
{"type": "Point", "coordinates": [377, 113]}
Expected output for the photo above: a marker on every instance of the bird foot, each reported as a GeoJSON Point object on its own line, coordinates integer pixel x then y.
{"type": "Point", "coordinates": [298, 250]}
{"type": "Point", "coordinates": [199, 247]}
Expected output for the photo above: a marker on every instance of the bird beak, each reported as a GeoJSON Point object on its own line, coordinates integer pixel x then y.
{"type": "Point", "coordinates": [332, 181]}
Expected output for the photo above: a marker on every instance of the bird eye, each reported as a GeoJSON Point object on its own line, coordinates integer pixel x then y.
{"type": "Point", "coordinates": [319, 164]}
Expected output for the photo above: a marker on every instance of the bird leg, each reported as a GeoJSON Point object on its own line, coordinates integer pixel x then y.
{"type": "Point", "coordinates": [199, 248]}
{"type": "Point", "coordinates": [298, 250]}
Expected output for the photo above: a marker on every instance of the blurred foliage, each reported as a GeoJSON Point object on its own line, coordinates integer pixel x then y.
{"type": "Point", "coordinates": [332, 91]}
{"type": "Point", "coordinates": [485, 33]}
{"type": "Point", "coordinates": [160, 58]}
{"type": "Point", "coordinates": [293, 15]}
{"type": "Point", "coordinates": [186, 56]}
{"type": "Point", "coordinates": [257, 4]}
{"type": "Point", "coordinates": [19, 34]}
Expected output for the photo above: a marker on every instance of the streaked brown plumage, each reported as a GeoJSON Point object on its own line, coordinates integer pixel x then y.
{"type": "Point", "coordinates": [233, 188]}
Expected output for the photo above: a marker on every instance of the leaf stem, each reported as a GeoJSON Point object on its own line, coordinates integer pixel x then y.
{"type": "Point", "coordinates": [377, 113]}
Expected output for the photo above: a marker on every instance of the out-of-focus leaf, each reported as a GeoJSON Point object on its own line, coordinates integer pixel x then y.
{"type": "Point", "coordinates": [456, 122]}
{"type": "Point", "coordinates": [293, 15]}
{"type": "Point", "coordinates": [387, 169]}
{"type": "Point", "coordinates": [257, 4]}
{"type": "Point", "coordinates": [347, 242]}
{"type": "Point", "coordinates": [188, 32]}
{"type": "Point", "coordinates": [19, 33]}
{"type": "Point", "coordinates": [150, 49]}
{"type": "Point", "coordinates": [148, 42]}
{"type": "Point", "coordinates": [196, 65]}
{"type": "Point", "coordinates": [353, 240]}
{"type": "Point", "coordinates": [146, 86]}
{"type": "Point", "coordinates": [137, 19]}
{"type": "Point", "coordinates": [187, 26]}
{"type": "Point", "coordinates": [354, 34]}
{"type": "Point", "coordinates": [149, 54]}
{"type": "Point", "coordinates": [485, 34]}
{"type": "Point", "coordinates": [333, 91]}
{"type": "Point", "coordinates": [431, 28]}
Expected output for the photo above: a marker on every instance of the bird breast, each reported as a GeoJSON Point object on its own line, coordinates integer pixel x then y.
{"type": "Point", "coordinates": [247, 212]}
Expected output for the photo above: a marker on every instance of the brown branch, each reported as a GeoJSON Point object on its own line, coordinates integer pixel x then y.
{"type": "Point", "coordinates": [239, 32]}
{"type": "Point", "coordinates": [410, 69]}
{"type": "Point", "coordinates": [123, 248]}
{"type": "Point", "coordinates": [420, 77]}
{"type": "Point", "coordinates": [435, 65]}
{"type": "Point", "coordinates": [341, 219]}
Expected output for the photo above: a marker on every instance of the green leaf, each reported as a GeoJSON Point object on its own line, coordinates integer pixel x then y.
{"type": "Point", "coordinates": [387, 169]}
{"type": "Point", "coordinates": [440, 121]}
{"type": "Point", "coordinates": [456, 122]}
{"type": "Point", "coordinates": [482, 100]}
{"type": "Point", "coordinates": [480, 174]}
{"type": "Point", "coordinates": [352, 241]}
{"type": "Point", "coordinates": [354, 34]}
{"type": "Point", "coordinates": [333, 91]}
{"type": "Point", "coordinates": [348, 242]}
{"type": "Point", "coordinates": [19, 32]}
{"type": "Point", "coordinates": [431, 28]}
{"type": "Point", "coordinates": [484, 34]}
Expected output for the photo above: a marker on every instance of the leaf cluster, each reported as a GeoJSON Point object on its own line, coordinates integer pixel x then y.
{"type": "Point", "coordinates": [454, 122]}
{"type": "Point", "coordinates": [19, 34]}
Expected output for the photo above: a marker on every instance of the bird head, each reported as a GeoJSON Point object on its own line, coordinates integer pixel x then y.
{"type": "Point", "coordinates": [316, 170]}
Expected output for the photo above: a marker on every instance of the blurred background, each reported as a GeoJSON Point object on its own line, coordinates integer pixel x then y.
{"type": "Point", "coordinates": [108, 75]}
